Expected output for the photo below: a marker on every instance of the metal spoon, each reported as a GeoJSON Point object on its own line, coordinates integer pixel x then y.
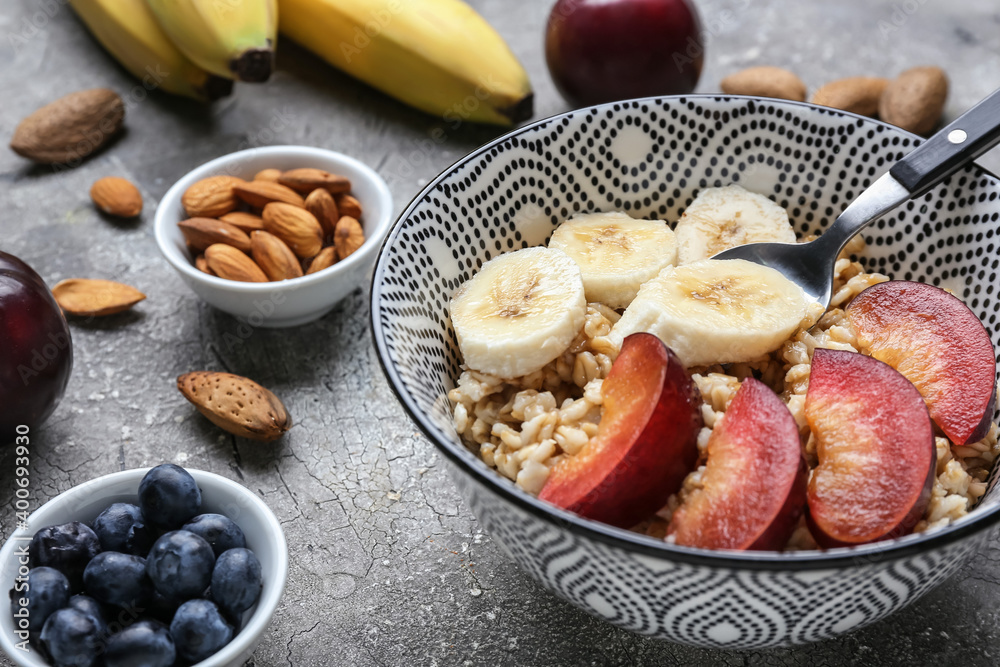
{"type": "Point", "coordinates": [810, 265]}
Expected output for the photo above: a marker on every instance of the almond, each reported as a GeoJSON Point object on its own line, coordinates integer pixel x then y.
{"type": "Point", "coordinates": [262, 193]}
{"type": "Point", "coordinates": [306, 180]}
{"type": "Point", "coordinates": [203, 232]}
{"type": "Point", "coordinates": [248, 222]}
{"type": "Point", "coordinates": [227, 262]}
{"type": "Point", "coordinates": [323, 207]}
{"type": "Point", "coordinates": [914, 101]}
{"type": "Point", "coordinates": [857, 94]}
{"type": "Point", "coordinates": [348, 237]}
{"type": "Point", "coordinates": [236, 404]}
{"type": "Point", "coordinates": [81, 296]}
{"type": "Point", "coordinates": [348, 205]}
{"type": "Point", "coordinates": [274, 257]}
{"type": "Point", "coordinates": [324, 260]}
{"type": "Point", "coordinates": [295, 226]}
{"type": "Point", "coordinates": [211, 197]}
{"type": "Point", "coordinates": [765, 82]}
{"type": "Point", "coordinates": [271, 175]}
{"type": "Point", "coordinates": [201, 264]}
{"type": "Point", "coordinates": [116, 196]}
{"type": "Point", "coordinates": [71, 128]}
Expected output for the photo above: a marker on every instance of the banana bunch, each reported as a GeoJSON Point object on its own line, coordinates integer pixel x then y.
{"type": "Point", "coordinates": [439, 56]}
{"type": "Point", "coordinates": [193, 48]}
{"type": "Point", "coordinates": [524, 308]}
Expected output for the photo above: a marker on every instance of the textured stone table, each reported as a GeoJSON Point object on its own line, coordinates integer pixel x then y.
{"type": "Point", "coordinates": [387, 566]}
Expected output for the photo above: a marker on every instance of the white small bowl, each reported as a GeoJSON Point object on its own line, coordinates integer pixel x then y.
{"type": "Point", "coordinates": [292, 302]}
{"type": "Point", "coordinates": [219, 495]}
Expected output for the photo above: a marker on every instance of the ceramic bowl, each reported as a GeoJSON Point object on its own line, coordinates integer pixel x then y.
{"type": "Point", "coordinates": [219, 495]}
{"type": "Point", "coordinates": [289, 302]}
{"type": "Point", "coordinates": [651, 157]}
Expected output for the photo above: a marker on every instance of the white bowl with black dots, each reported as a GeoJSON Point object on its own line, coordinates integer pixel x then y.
{"type": "Point", "coordinates": [219, 495]}
{"type": "Point", "coordinates": [650, 158]}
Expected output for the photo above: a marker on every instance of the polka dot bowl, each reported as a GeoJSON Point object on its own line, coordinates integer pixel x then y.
{"type": "Point", "coordinates": [650, 158]}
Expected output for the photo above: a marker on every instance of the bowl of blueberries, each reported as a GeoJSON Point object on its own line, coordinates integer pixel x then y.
{"type": "Point", "coordinates": [157, 567]}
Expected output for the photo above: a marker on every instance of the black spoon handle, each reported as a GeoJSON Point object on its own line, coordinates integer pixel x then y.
{"type": "Point", "coordinates": [972, 134]}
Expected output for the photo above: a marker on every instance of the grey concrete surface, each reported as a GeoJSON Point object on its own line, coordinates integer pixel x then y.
{"type": "Point", "coordinates": [387, 566]}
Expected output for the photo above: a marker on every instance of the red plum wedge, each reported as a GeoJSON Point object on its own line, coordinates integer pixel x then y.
{"type": "Point", "coordinates": [875, 444]}
{"type": "Point", "coordinates": [646, 443]}
{"type": "Point", "coordinates": [754, 485]}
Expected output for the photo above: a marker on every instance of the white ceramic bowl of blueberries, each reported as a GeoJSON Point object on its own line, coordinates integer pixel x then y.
{"type": "Point", "coordinates": [156, 567]}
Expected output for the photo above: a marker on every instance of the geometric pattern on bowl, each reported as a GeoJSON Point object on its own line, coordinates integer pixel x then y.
{"type": "Point", "coordinates": [651, 157]}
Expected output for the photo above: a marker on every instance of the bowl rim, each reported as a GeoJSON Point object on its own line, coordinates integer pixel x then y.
{"type": "Point", "coordinates": [250, 634]}
{"type": "Point", "coordinates": [465, 461]}
{"type": "Point", "coordinates": [380, 227]}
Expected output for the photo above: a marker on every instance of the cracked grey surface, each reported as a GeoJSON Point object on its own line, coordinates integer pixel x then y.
{"type": "Point", "coordinates": [387, 566]}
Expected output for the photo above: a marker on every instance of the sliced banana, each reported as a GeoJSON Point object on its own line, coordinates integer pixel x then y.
{"type": "Point", "coordinates": [723, 218]}
{"type": "Point", "coordinates": [717, 311]}
{"type": "Point", "coordinates": [616, 253]}
{"type": "Point", "coordinates": [519, 312]}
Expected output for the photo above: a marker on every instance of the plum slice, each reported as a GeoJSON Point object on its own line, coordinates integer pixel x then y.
{"type": "Point", "coordinates": [940, 345]}
{"type": "Point", "coordinates": [875, 444]}
{"type": "Point", "coordinates": [754, 485]}
{"type": "Point", "coordinates": [646, 443]}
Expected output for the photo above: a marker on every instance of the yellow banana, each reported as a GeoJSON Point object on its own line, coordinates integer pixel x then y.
{"type": "Point", "coordinates": [232, 38]}
{"type": "Point", "coordinates": [129, 31]}
{"type": "Point", "coordinates": [439, 56]}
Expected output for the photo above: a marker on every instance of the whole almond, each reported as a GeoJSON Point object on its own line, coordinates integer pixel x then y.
{"type": "Point", "coordinates": [271, 175]}
{"type": "Point", "coordinates": [248, 222]}
{"type": "Point", "coordinates": [274, 257]}
{"type": "Point", "coordinates": [200, 233]}
{"type": "Point", "coordinates": [324, 260]}
{"type": "Point", "coordinates": [348, 237]}
{"type": "Point", "coordinates": [82, 296]}
{"type": "Point", "coordinates": [227, 262]}
{"type": "Point", "coordinates": [201, 264]}
{"type": "Point", "coordinates": [71, 128]}
{"type": "Point", "coordinates": [211, 197]}
{"type": "Point", "coordinates": [857, 94]}
{"type": "Point", "coordinates": [236, 404]}
{"type": "Point", "coordinates": [914, 101]}
{"type": "Point", "coordinates": [322, 205]}
{"type": "Point", "coordinates": [116, 196]}
{"type": "Point", "coordinates": [295, 226]}
{"type": "Point", "coordinates": [306, 180]}
{"type": "Point", "coordinates": [262, 193]}
{"type": "Point", "coordinates": [348, 205]}
{"type": "Point", "coordinates": [765, 82]}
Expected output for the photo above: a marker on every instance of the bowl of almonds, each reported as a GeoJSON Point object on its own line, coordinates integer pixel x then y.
{"type": "Point", "coordinates": [275, 236]}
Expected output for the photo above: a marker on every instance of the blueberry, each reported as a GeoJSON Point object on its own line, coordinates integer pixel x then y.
{"type": "Point", "coordinates": [236, 580]}
{"type": "Point", "coordinates": [118, 579]}
{"type": "Point", "coordinates": [71, 638]}
{"type": "Point", "coordinates": [47, 592]}
{"type": "Point", "coordinates": [90, 607]}
{"type": "Point", "coordinates": [122, 528]}
{"type": "Point", "coordinates": [169, 496]}
{"type": "Point", "coordinates": [180, 565]}
{"type": "Point", "coordinates": [219, 531]}
{"type": "Point", "coordinates": [67, 547]}
{"type": "Point", "coordinates": [142, 644]}
{"type": "Point", "coordinates": [199, 630]}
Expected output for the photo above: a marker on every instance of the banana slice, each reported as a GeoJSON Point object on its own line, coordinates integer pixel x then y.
{"type": "Point", "coordinates": [718, 311]}
{"type": "Point", "coordinates": [521, 311]}
{"type": "Point", "coordinates": [616, 253]}
{"type": "Point", "coordinates": [723, 218]}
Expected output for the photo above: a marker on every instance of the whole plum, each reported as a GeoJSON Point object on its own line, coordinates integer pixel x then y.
{"type": "Point", "coordinates": [37, 349]}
